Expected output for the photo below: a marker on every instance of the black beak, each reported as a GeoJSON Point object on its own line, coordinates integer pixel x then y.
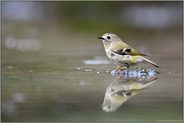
{"type": "Point", "coordinates": [101, 38]}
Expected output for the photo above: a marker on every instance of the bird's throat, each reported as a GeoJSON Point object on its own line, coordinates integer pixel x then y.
{"type": "Point", "coordinates": [106, 44]}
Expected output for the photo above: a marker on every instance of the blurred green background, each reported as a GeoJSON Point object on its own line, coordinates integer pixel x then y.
{"type": "Point", "coordinates": [55, 69]}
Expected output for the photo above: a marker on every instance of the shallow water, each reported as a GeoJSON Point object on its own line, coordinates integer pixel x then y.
{"type": "Point", "coordinates": [65, 78]}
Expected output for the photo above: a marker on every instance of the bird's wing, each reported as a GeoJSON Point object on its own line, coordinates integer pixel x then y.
{"type": "Point", "coordinates": [122, 48]}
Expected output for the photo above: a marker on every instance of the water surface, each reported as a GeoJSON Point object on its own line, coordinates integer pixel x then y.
{"type": "Point", "coordinates": [50, 74]}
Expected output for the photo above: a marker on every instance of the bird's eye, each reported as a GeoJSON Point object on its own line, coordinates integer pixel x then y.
{"type": "Point", "coordinates": [108, 37]}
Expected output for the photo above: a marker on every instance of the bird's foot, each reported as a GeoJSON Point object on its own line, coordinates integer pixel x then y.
{"type": "Point", "coordinates": [114, 72]}
{"type": "Point", "coordinates": [118, 70]}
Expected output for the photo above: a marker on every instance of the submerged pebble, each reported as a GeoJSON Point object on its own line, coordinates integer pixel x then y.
{"type": "Point", "coordinates": [30, 71]}
{"type": "Point", "coordinates": [87, 70]}
{"type": "Point", "coordinates": [18, 97]}
{"type": "Point", "coordinates": [9, 67]}
{"type": "Point", "coordinates": [169, 73]}
{"type": "Point", "coordinates": [82, 83]}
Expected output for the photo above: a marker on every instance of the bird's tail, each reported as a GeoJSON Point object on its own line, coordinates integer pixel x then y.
{"type": "Point", "coordinates": [147, 60]}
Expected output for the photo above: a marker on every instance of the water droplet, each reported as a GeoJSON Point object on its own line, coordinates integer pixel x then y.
{"type": "Point", "coordinates": [78, 68]}
{"type": "Point", "coordinates": [107, 71]}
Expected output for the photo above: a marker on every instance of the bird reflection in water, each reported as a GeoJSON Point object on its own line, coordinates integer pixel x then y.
{"type": "Point", "coordinates": [125, 86]}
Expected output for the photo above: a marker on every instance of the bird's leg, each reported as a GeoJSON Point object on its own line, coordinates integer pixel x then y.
{"type": "Point", "coordinates": [116, 70]}
{"type": "Point", "coordinates": [119, 67]}
{"type": "Point", "coordinates": [124, 67]}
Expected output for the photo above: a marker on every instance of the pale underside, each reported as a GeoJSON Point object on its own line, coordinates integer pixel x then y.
{"type": "Point", "coordinates": [123, 60]}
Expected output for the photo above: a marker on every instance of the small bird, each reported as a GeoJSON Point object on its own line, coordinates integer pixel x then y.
{"type": "Point", "coordinates": [120, 53]}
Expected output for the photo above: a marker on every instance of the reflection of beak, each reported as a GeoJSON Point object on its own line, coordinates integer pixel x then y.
{"type": "Point", "coordinates": [106, 105]}
{"type": "Point", "coordinates": [101, 38]}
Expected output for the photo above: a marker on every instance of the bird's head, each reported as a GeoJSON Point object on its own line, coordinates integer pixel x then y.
{"type": "Point", "coordinates": [109, 37]}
